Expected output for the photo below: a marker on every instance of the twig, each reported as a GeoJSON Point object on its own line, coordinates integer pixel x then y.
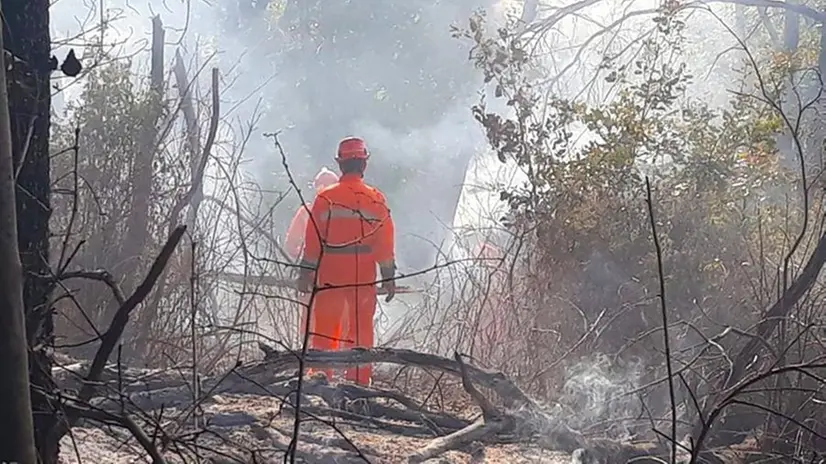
{"type": "Point", "coordinates": [101, 275]}
{"type": "Point", "coordinates": [193, 312]}
{"type": "Point", "coordinates": [291, 449]}
{"type": "Point", "coordinates": [799, 287]}
{"type": "Point", "coordinates": [192, 131]}
{"type": "Point", "coordinates": [197, 181]}
{"type": "Point", "coordinates": [125, 421]}
{"type": "Point", "coordinates": [62, 262]}
{"type": "Point", "coordinates": [25, 148]}
{"type": "Point", "coordinates": [144, 440]}
{"type": "Point", "coordinates": [664, 312]}
{"type": "Point", "coordinates": [731, 395]}
{"type": "Point", "coordinates": [256, 226]}
{"type": "Point", "coordinates": [277, 282]}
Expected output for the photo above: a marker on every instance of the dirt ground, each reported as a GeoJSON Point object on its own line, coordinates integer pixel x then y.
{"type": "Point", "coordinates": [235, 425]}
{"type": "Point", "coordinates": [244, 420]}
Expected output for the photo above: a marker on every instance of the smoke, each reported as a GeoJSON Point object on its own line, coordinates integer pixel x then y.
{"type": "Point", "coordinates": [390, 73]}
{"type": "Point", "coordinates": [600, 394]}
{"type": "Point", "coordinates": [428, 195]}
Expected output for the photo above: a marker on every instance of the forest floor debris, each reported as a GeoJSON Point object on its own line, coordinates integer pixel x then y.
{"type": "Point", "coordinates": [247, 415]}
{"type": "Point", "coordinates": [97, 445]}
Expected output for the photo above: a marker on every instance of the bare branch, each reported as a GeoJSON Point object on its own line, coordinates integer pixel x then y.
{"type": "Point", "coordinates": [113, 333]}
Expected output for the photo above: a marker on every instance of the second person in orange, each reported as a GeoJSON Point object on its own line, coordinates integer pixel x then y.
{"type": "Point", "coordinates": [349, 233]}
{"type": "Point", "coordinates": [294, 241]}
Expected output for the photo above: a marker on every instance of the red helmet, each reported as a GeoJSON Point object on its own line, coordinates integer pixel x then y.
{"type": "Point", "coordinates": [352, 148]}
{"type": "Point", "coordinates": [324, 178]}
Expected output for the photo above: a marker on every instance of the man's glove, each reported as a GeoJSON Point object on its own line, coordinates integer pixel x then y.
{"type": "Point", "coordinates": [305, 280]}
{"type": "Point", "coordinates": [388, 274]}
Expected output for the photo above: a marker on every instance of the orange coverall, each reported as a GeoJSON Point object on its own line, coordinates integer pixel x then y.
{"type": "Point", "coordinates": [294, 240]}
{"type": "Point", "coordinates": [355, 233]}
{"type": "Point", "coordinates": [293, 243]}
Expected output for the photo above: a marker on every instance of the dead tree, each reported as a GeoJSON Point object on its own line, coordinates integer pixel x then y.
{"type": "Point", "coordinates": [28, 42]}
{"type": "Point", "coordinates": [195, 192]}
{"type": "Point", "coordinates": [137, 232]}
{"type": "Point", "coordinates": [17, 430]}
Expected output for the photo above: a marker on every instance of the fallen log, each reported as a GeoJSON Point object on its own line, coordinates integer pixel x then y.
{"type": "Point", "coordinates": [509, 393]}
{"type": "Point", "coordinates": [348, 402]}
{"type": "Point", "coordinates": [363, 421]}
{"type": "Point", "coordinates": [337, 442]}
{"type": "Point", "coordinates": [181, 396]}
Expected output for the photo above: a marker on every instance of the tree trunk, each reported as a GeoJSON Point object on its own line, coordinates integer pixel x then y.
{"type": "Point", "coordinates": [27, 37]}
{"type": "Point", "coordinates": [740, 21]}
{"type": "Point", "coordinates": [16, 428]}
{"type": "Point", "coordinates": [193, 137]}
{"type": "Point", "coordinates": [137, 232]}
{"type": "Point", "coordinates": [791, 29]}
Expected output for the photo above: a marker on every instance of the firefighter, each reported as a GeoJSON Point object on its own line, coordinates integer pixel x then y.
{"type": "Point", "coordinates": [350, 232]}
{"type": "Point", "coordinates": [294, 240]}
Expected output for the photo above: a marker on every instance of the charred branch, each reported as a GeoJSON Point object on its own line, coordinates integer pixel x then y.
{"type": "Point", "coordinates": [777, 312]}
{"type": "Point", "coordinates": [121, 318]}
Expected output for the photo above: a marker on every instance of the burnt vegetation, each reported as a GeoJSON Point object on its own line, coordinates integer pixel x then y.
{"type": "Point", "coordinates": [653, 294]}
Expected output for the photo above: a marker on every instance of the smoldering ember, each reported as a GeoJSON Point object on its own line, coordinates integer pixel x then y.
{"type": "Point", "coordinates": [502, 231]}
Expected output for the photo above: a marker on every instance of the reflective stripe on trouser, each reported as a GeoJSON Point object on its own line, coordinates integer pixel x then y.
{"type": "Point", "coordinates": [358, 330]}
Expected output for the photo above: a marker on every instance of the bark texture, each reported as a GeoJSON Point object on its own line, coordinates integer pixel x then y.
{"type": "Point", "coordinates": [17, 444]}
{"type": "Point", "coordinates": [27, 38]}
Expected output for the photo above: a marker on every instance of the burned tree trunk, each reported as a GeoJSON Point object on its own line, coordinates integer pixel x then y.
{"type": "Point", "coordinates": [137, 232]}
{"type": "Point", "coordinates": [27, 38]}
{"type": "Point", "coordinates": [17, 431]}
